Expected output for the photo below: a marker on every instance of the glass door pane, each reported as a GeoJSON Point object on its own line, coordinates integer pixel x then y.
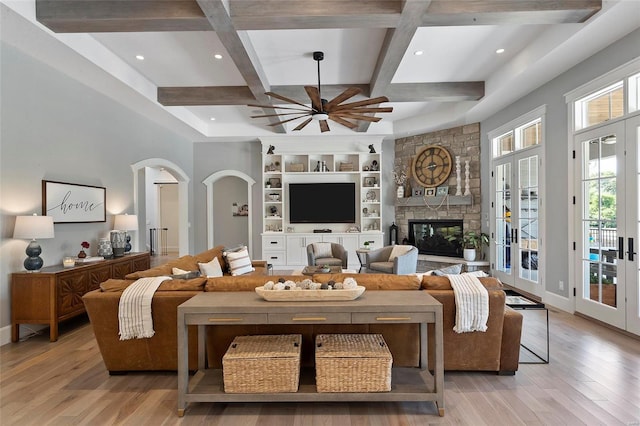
{"type": "Point", "coordinates": [528, 218]}
{"type": "Point", "coordinates": [503, 228]}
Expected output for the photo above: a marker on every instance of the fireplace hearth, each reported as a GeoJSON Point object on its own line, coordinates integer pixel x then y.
{"type": "Point", "coordinates": [437, 237]}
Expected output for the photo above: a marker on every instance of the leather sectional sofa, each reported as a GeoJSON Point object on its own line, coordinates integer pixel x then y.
{"type": "Point", "coordinates": [495, 350]}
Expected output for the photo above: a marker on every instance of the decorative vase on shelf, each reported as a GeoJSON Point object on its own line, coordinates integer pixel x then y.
{"type": "Point", "coordinates": [400, 191]}
{"type": "Point", "coordinates": [82, 254]}
{"type": "Point", "coordinates": [469, 254]}
{"type": "Point", "coordinates": [104, 248]}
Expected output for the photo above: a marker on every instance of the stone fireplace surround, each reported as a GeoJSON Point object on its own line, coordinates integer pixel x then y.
{"type": "Point", "coordinates": [463, 141]}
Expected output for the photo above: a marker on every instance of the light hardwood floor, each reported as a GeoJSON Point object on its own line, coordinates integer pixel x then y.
{"type": "Point", "coordinates": [593, 379]}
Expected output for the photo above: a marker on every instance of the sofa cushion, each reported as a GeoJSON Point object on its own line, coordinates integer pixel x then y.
{"type": "Point", "coordinates": [211, 269]}
{"type": "Point", "coordinates": [195, 284]}
{"type": "Point", "coordinates": [245, 282]}
{"type": "Point", "coordinates": [382, 267]}
{"type": "Point", "coordinates": [321, 250]}
{"type": "Point", "coordinates": [399, 250]}
{"type": "Point", "coordinates": [207, 256]}
{"type": "Point", "coordinates": [239, 262]}
{"type": "Point", "coordinates": [449, 270]}
{"type": "Point", "coordinates": [435, 282]}
{"type": "Point", "coordinates": [187, 263]}
{"type": "Point", "coordinates": [374, 281]}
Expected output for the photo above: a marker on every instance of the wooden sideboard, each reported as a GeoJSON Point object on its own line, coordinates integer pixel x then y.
{"type": "Point", "coordinates": [55, 293]}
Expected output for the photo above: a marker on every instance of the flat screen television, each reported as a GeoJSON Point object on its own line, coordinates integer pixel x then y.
{"type": "Point", "coordinates": [322, 202]}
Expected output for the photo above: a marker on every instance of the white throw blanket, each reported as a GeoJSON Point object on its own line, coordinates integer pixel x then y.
{"type": "Point", "coordinates": [134, 311]}
{"type": "Point", "coordinates": [472, 303]}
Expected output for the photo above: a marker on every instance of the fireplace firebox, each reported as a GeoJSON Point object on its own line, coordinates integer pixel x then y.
{"type": "Point", "coordinates": [436, 237]}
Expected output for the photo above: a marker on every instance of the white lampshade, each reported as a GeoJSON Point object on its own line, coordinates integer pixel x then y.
{"type": "Point", "coordinates": [126, 222]}
{"type": "Point", "coordinates": [33, 227]}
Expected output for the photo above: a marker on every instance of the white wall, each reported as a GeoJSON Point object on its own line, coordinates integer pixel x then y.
{"type": "Point", "coordinates": [56, 129]}
{"type": "Point", "coordinates": [230, 230]}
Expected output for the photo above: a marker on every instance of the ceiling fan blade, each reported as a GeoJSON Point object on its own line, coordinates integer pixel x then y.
{"type": "Point", "coordinates": [371, 101]}
{"type": "Point", "coordinates": [349, 93]}
{"type": "Point", "coordinates": [342, 121]}
{"type": "Point", "coordinates": [278, 107]}
{"type": "Point", "coordinates": [324, 126]}
{"type": "Point", "coordinates": [285, 121]}
{"type": "Point", "coordinates": [283, 98]}
{"type": "Point", "coordinates": [301, 114]}
{"type": "Point", "coordinates": [368, 110]}
{"type": "Point", "coordinates": [358, 117]}
{"type": "Point", "coordinates": [314, 95]}
{"type": "Point", "coordinates": [304, 123]}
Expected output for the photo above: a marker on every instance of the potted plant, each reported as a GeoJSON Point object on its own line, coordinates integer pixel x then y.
{"type": "Point", "coordinates": [471, 242]}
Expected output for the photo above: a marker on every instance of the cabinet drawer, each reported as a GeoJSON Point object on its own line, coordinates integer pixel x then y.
{"type": "Point", "coordinates": [273, 243]}
{"type": "Point", "coordinates": [227, 319]}
{"type": "Point", "coordinates": [392, 317]}
{"type": "Point", "coordinates": [311, 318]}
{"type": "Point", "coordinates": [274, 257]}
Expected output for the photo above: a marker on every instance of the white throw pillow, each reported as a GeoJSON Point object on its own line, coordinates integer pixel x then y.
{"type": "Point", "coordinates": [210, 269]}
{"type": "Point", "coordinates": [322, 250]}
{"type": "Point", "coordinates": [239, 262]}
{"type": "Point", "coordinates": [399, 250]}
{"type": "Point", "coordinates": [479, 274]}
{"type": "Point", "coordinates": [178, 271]}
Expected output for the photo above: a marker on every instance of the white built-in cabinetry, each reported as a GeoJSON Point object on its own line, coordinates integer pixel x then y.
{"type": "Point", "coordinates": [285, 244]}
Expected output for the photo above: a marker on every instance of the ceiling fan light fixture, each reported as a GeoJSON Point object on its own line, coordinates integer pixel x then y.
{"type": "Point", "coordinates": [319, 116]}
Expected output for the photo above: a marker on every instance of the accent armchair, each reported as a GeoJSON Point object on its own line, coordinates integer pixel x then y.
{"type": "Point", "coordinates": [397, 259]}
{"type": "Point", "coordinates": [332, 254]}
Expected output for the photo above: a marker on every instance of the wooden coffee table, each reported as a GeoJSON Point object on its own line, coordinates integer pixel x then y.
{"type": "Point", "coordinates": [311, 270]}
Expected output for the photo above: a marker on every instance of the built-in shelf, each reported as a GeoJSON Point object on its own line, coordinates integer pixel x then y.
{"type": "Point", "coordinates": [440, 200]}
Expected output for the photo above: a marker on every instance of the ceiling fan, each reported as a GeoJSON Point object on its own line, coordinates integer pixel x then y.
{"type": "Point", "coordinates": [322, 110]}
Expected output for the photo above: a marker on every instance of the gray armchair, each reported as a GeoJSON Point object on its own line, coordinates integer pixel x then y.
{"type": "Point", "coordinates": [338, 256]}
{"type": "Point", "coordinates": [379, 260]}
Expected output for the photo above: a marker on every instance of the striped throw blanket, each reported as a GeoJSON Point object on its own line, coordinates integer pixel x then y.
{"type": "Point", "coordinates": [134, 311]}
{"type": "Point", "coordinates": [472, 303]}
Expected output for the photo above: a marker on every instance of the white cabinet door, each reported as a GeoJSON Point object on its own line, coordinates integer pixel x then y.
{"type": "Point", "coordinates": [297, 248]}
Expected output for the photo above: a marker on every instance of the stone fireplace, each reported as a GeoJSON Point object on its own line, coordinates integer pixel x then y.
{"type": "Point", "coordinates": [462, 141]}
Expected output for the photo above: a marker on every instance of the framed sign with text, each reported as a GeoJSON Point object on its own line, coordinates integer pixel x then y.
{"type": "Point", "coordinates": [74, 203]}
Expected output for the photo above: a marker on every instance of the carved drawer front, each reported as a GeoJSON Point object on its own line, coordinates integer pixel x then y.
{"type": "Point", "coordinates": [141, 264]}
{"type": "Point", "coordinates": [98, 275]}
{"type": "Point", "coordinates": [121, 269]}
{"type": "Point", "coordinates": [71, 288]}
{"type": "Point", "coordinates": [392, 317]}
{"type": "Point", "coordinates": [310, 317]}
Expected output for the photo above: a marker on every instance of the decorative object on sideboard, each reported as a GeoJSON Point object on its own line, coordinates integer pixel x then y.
{"type": "Point", "coordinates": [270, 150]}
{"type": "Point", "coordinates": [32, 228]}
{"type": "Point", "coordinates": [467, 190]}
{"type": "Point", "coordinates": [85, 245]}
{"type": "Point", "coordinates": [458, 186]}
{"type": "Point", "coordinates": [118, 242]}
{"type": "Point", "coordinates": [73, 203]}
{"type": "Point", "coordinates": [104, 248]}
{"type": "Point", "coordinates": [68, 262]}
{"type": "Point", "coordinates": [126, 222]}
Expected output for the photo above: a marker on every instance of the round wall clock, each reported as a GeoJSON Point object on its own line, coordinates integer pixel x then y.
{"type": "Point", "coordinates": [432, 166]}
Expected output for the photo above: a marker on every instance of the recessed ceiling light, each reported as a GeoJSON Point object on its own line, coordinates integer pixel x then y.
{"type": "Point", "coordinates": [418, 52]}
{"type": "Point", "coordinates": [499, 51]}
{"type": "Point", "coordinates": [140, 57]}
{"type": "Point", "coordinates": [212, 119]}
{"type": "Point", "coordinates": [217, 56]}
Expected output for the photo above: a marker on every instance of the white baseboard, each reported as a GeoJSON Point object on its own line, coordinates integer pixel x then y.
{"type": "Point", "coordinates": [5, 332]}
{"type": "Point", "coordinates": [5, 335]}
{"type": "Point", "coordinates": [559, 302]}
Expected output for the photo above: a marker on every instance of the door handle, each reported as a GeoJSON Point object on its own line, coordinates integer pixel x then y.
{"type": "Point", "coordinates": [631, 252]}
{"type": "Point", "coordinates": [621, 248]}
{"type": "Point", "coordinates": [516, 231]}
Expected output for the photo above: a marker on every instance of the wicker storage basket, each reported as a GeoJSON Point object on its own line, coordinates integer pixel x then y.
{"type": "Point", "coordinates": [296, 167]}
{"type": "Point", "coordinates": [262, 364]}
{"type": "Point", "coordinates": [352, 363]}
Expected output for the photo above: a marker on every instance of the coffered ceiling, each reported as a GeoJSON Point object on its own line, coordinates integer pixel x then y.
{"type": "Point", "coordinates": [267, 45]}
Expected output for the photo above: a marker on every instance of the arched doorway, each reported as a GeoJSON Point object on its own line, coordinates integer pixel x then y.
{"type": "Point", "coordinates": [183, 199]}
{"type": "Point", "coordinates": [209, 182]}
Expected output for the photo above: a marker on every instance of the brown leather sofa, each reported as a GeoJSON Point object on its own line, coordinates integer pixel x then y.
{"type": "Point", "coordinates": [496, 350]}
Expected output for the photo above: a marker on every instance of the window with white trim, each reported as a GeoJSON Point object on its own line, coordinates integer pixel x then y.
{"type": "Point", "coordinates": [518, 138]}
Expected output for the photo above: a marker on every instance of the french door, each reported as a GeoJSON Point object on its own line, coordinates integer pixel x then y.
{"type": "Point", "coordinates": [607, 232]}
{"type": "Point", "coordinates": [516, 220]}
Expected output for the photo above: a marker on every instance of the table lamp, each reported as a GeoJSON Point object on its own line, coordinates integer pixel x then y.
{"type": "Point", "coordinates": [126, 222]}
{"type": "Point", "coordinates": [30, 228]}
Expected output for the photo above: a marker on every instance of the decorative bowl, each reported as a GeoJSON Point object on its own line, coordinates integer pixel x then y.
{"type": "Point", "coordinates": [274, 197]}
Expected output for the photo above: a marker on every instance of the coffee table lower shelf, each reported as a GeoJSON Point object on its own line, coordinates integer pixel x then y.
{"type": "Point", "coordinates": [407, 384]}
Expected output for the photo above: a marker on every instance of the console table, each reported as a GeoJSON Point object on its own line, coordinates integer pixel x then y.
{"type": "Point", "coordinates": [407, 384]}
{"type": "Point", "coordinates": [55, 293]}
